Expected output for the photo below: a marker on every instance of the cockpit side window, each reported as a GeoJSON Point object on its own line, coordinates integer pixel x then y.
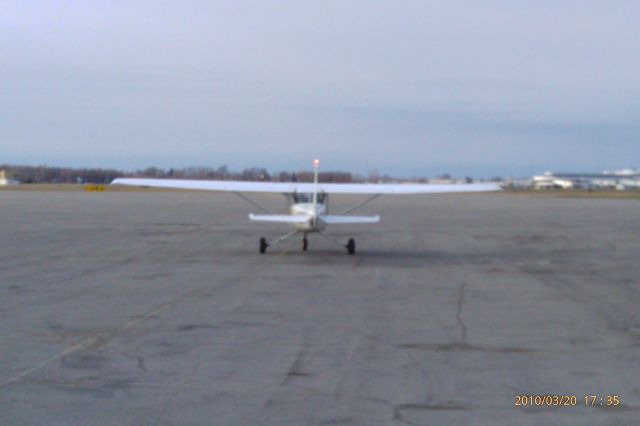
{"type": "Point", "coordinates": [299, 197]}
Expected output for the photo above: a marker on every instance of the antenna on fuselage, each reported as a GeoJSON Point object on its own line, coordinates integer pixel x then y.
{"type": "Point", "coordinates": [316, 165]}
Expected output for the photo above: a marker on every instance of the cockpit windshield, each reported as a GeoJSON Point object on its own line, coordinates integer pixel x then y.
{"type": "Point", "coordinates": [307, 197]}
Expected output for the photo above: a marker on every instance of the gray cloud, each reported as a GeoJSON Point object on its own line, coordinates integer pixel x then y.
{"type": "Point", "coordinates": [411, 88]}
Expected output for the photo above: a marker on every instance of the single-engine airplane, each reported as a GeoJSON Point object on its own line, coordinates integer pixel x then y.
{"type": "Point", "coordinates": [308, 202]}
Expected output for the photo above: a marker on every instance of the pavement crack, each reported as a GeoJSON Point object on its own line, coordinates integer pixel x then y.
{"type": "Point", "coordinates": [295, 369]}
{"type": "Point", "coordinates": [97, 342]}
{"type": "Point", "coordinates": [397, 416]}
{"type": "Point", "coordinates": [459, 307]}
{"type": "Point", "coordinates": [139, 360]}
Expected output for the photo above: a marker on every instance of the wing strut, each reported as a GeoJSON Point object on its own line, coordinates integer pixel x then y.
{"type": "Point", "coordinates": [283, 237]}
{"type": "Point", "coordinates": [250, 201]}
{"type": "Point", "coordinates": [333, 240]}
{"type": "Point", "coordinates": [349, 210]}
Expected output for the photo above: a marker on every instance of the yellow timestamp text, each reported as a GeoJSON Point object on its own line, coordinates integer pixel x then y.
{"type": "Point", "coordinates": [566, 401]}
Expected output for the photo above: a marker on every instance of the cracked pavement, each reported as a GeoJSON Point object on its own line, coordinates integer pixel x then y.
{"type": "Point", "coordinates": [156, 309]}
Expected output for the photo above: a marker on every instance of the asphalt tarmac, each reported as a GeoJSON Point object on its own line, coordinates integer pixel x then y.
{"type": "Point", "coordinates": [157, 309]}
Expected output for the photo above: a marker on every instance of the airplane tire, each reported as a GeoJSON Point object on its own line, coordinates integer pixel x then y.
{"type": "Point", "coordinates": [351, 246]}
{"type": "Point", "coordinates": [263, 245]}
{"type": "Point", "coordinates": [305, 244]}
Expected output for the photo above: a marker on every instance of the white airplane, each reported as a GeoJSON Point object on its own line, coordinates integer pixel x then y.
{"type": "Point", "coordinates": [308, 202]}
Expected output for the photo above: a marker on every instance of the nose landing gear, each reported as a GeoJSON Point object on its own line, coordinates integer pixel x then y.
{"type": "Point", "coordinates": [263, 245]}
{"type": "Point", "coordinates": [351, 246]}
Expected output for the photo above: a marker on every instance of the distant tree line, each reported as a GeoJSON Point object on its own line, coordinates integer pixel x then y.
{"type": "Point", "coordinates": [48, 174]}
{"type": "Point", "coordinates": [248, 174]}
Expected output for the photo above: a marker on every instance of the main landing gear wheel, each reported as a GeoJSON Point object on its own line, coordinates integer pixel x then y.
{"type": "Point", "coordinates": [305, 244]}
{"type": "Point", "coordinates": [351, 246]}
{"type": "Point", "coordinates": [263, 245]}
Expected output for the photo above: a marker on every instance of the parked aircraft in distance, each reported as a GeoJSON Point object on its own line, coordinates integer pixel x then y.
{"type": "Point", "coordinates": [308, 202]}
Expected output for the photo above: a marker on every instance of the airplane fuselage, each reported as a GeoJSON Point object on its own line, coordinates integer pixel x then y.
{"type": "Point", "coordinates": [307, 209]}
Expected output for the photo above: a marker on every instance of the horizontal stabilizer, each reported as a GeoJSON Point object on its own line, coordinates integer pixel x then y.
{"type": "Point", "coordinates": [338, 220]}
{"type": "Point", "coordinates": [281, 218]}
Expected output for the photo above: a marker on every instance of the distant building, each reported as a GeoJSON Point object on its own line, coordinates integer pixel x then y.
{"type": "Point", "coordinates": [622, 180]}
{"type": "Point", "coordinates": [5, 178]}
{"type": "Point", "coordinates": [516, 183]}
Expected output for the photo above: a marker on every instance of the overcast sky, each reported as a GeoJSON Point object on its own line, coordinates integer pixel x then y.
{"type": "Point", "coordinates": [412, 88]}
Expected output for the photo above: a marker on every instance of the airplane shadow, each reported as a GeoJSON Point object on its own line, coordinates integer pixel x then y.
{"type": "Point", "coordinates": [397, 258]}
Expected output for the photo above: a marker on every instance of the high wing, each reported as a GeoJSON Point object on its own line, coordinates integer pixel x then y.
{"type": "Point", "coordinates": [291, 187]}
{"type": "Point", "coordinates": [328, 219]}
